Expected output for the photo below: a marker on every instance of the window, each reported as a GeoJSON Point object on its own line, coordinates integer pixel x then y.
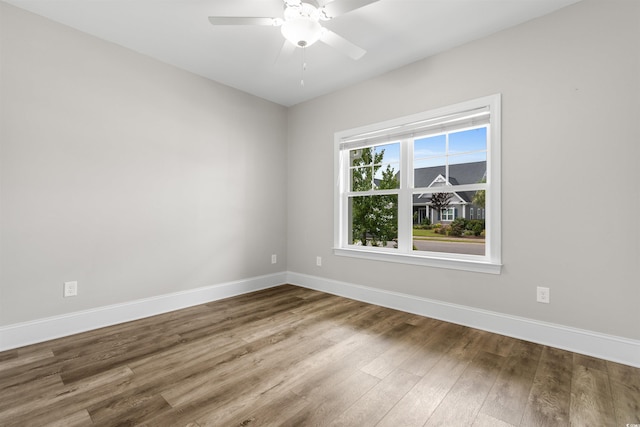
{"type": "Point", "coordinates": [407, 189]}
{"type": "Point", "coordinates": [447, 214]}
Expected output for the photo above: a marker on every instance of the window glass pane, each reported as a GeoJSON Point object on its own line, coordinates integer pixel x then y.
{"type": "Point", "coordinates": [362, 178]}
{"type": "Point", "coordinates": [430, 151]}
{"type": "Point", "coordinates": [457, 158]}
{"type": "Point", "coordinates": [442, 223]}
{"type": "Point", "coordinates": [360, 156]}
{"type": "Point", "coordinates": [387, 176]}
{"type": "Point", "coordinates": [387, 166]}
{"type": "Point", "coordinates": [389, 153]}
{"type": "Point", "coordinates": [373, 221]}
{"type": "Point", "coordinates": [375, 167]}
{"type": "Point", "coordinates": [467, 169]}
{"type": "Point", "coordinates": [468, 141]}
{"type": "Point", "coordinates": [468, 156]}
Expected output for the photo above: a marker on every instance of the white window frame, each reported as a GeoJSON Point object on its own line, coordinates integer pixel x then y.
{"type": "Point", "coordinates": [402, 129]}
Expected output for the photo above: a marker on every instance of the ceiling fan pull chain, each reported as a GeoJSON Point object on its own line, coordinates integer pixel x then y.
{"type": "Point", "coordinates": [304, 67]}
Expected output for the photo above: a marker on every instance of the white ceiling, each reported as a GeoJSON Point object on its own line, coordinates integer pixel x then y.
{"type": "Point", "coordinates": [394, 33]}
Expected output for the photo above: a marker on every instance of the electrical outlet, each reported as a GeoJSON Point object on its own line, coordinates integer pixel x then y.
{"type": "Point", "coordinates": [70, 289]}
{"type": "Point", "coordinates": [319, 261]}
{"type": "Point", "coordinates": [274, 258]}
{"type": "Point", "coordinates": [543, 295]}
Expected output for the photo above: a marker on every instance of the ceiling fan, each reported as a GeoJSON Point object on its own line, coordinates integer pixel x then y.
{"type": "Point", "coordinates": [300, 23]}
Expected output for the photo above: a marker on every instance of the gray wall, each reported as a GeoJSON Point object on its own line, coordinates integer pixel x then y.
{"type": "Point", "coordinates": [571, 181]}
{"type": "Point", "coordinates": [130, 176]}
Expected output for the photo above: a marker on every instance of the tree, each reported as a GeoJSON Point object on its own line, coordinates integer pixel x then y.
{"type": "Point", "coordinates": [373, 218]}
{"type": "Point", "coordinates": [479, 197]}
{"type": "Point", "coordinates": [440, 201]}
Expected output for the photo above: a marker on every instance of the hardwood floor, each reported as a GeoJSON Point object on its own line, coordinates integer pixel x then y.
{"type": "Point", "coordinates": [290, 356]}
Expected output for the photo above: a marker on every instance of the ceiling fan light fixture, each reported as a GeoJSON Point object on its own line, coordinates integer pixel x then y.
{"type": "Point", "coordinates": [302, 32]}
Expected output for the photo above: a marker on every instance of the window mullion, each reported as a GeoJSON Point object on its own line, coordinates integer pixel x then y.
{"type": "Point", "coordinates": [405, 197]}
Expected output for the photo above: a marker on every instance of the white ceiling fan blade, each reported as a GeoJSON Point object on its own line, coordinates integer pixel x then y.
{"type": "Point", "coordinates": [343, 45]}
{"type": "Point", "coordinates": [339, 7]}
{"type": "Point", "coordinates": [244, 20]}
{"type": "Point", "coordinates": [287, 50]}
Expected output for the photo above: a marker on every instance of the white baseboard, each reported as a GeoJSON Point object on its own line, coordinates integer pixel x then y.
{"type": "Point", "coordinates": [608, 347]}
{"type": "Point", "coordinates": [21, 334]}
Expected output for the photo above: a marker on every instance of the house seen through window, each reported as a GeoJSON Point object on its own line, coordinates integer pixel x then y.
{"type": "Point", "coordinates": [407, 190]}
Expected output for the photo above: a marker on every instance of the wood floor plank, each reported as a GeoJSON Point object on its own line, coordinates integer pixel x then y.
{"type": "Point", "coordinates": [201, 353]}
{"type": "Point", "coordinates": [242, 316]}
{"type": "Point", "coordinates": [28, 374]}
{"type": "Point", "coordinates": [625, 390]}
{"type": "Point", "coordinates": [120, 354]}
{"type": "Point", "coordinates": [510, 394]}
{"type": "Point", "coordinates": [14, 395]}
{"type": "Point", "coordinates": [287, 319]}
{"type": "Point", "coordinates": [334, 365]}
{"type": "Point", "coordinates": [484, 420]}
{"type": "Point", "coordinates": [365, 319]}
{"type": "Point", "coordinates": [130, 411]}
{"type": "Point", "coordinates": [20, 360]}
{"type": "Point", "coordinates": [64, 402]}
{"type": "Point", "coordinates": [438, 343]}
{"type": "Point", "coordinates": [374, 404]}
{"type": "Point", "coordinates": [330, 402]}
{"type": "Point", "coordinates": [591, 399]}
{"type": "Point", "coordinates": [200, 360]}
{"type": "Point", "coordinates": [550, 395]}
{"type": "Point", "coordinates": [405, 345]}
{"type": "Point", "coordinates": [589, 362]}
{"type": "Point", "coordinates": [285, 405]}
{"type": "Point", "coordinates": [244, 362]}
{"type": "Point", "coordinates": [463, 402]}
{"type": "Point", "coordinates": [296, 357]}
{"type": "Point", "coordinates": [497, 344]}
{"type": "Point", "coordinates": [626, 404]}
{"type": "Point", "coordinates": [415, 408]}
{"type": "Point", "coordinates": [77, 419]}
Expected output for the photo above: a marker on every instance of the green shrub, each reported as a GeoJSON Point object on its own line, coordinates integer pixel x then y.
{"type": "Point", "coordinates": [458, 227]}
{"type": "Point", "coordinates": [476, 226]}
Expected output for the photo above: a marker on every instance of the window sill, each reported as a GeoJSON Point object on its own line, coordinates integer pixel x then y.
{"type": "Point", "coordinates": [439, 262]}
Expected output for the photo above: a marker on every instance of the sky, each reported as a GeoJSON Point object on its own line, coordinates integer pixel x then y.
{"type": "Point", "coordinates": [465, 146]}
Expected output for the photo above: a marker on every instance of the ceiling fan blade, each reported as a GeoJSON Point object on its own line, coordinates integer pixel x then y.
{"type": "Point", "coordinates": [343, 45]}
{"type": "Point", "coordinates": [287, 50]}
{"type": "Point", "coordinates": [339, 7]}
{"type": "Point", "coordinates": [244, 20]}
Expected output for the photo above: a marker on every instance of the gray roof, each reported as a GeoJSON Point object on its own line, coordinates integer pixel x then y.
{"type": "Point", "coordinates": [459, 174]}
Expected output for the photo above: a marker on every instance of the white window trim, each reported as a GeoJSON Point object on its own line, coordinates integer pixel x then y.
{"type": "Point", "coordinates": [491, 262]}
